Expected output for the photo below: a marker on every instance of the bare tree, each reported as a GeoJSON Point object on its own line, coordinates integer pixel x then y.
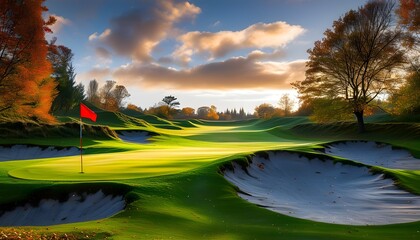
{"type": "Point", "coordinates": [107, 99]}
{"type": "Point", "coordinates": [92, 92]}
{"type": "Point", "coordinates": [120, 93]}
{"type": "Point", "coordinates": [286, 104]}
{"type": "Point", "coordinates": [355, 60]}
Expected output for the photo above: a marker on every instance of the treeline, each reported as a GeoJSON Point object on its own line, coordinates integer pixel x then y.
{"type": "Point", "coordinates": [169, 108]}
{"type": "Point", "coordinates": [204, 112]}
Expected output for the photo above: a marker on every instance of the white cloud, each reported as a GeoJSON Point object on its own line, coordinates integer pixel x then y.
{"type": "Point", "coordinates": [101, 36]}
{"type": "Point", "coordinates": [59, 23]}
{"type": "Point", "coordinates": [215, 24]}
{"type": "Point", "coordinates": [261, 35]}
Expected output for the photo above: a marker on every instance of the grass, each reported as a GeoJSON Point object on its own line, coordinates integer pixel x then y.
{"type": "Point", "coordinates": [175, 188]}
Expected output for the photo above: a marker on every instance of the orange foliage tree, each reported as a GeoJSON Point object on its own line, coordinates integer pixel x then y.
{"type": "Point", "coordinates": [25, 83]}
{"type": "Point", "coordinates": [209, 113]}
{"type": "Point", "coordinates": [212, 114]}
{"type": "Point", "coordinates": [188, 112]}
{"type": "Point", "coordinates": [409, 14]}
{"type": "Point", "coordinates": [133, 107]}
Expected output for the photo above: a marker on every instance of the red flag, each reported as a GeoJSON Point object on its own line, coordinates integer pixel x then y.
{"type": "Point", "coordinates": [86, 112]}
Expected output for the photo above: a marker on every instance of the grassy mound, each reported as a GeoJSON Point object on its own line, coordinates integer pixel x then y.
{"type": "Point", "coordinates": [350, 130]}
{"type": "Point", "coordinates": [34, 130]}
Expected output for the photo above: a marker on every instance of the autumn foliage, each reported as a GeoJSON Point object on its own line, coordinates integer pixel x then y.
{"type": "Point", "coordinates": [26, 87]}
{"type": "Point", "coordinates": [109, 97]}
{"type": "Point", "coordinates": [409, 13]}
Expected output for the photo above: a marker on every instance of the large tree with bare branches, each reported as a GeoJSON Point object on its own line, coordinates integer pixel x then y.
{"type": "Point", "coordinates": [356, 58]}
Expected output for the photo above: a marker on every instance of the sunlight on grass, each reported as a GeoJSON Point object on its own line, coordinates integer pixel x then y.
{"type": "Point", "coordinates": [161, 160]}
{"type": "Point", "coordinates": [172, 152]}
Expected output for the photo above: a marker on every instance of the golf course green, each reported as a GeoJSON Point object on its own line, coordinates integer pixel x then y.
{"type": "Point", "coordinates": [174, 184]}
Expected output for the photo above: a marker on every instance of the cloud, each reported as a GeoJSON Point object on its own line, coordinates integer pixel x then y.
{"type": "Point", "coordinates": [59, 23]}
{"type": "Point", "coordinates": [99, 74]}
{"type": "Point", "coordinates": [215, 24]}
{"type": "Point", "coordinates": [136, 33]}
{"type": "Point", "coordinates": [260, 55]}
{"type": "Point", "coordinates": [102, 53]}
{"type": "Point", "coordinates": [219, 44]}
{"type": "Point", "coordinates": [101, 36]}
{"type": "Point", "coordinates": [234, 73]}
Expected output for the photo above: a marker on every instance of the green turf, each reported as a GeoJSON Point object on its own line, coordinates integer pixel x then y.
{"type": "Point", "coordinates": [175, 186]}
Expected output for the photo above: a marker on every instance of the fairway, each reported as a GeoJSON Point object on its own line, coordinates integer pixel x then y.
{"type": "Point", "coordinates": [177, 188]}
{"type": "Point", "coordinates": [196, 120]}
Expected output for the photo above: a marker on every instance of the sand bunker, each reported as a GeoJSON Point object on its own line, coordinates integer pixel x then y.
{"type": "Point", "coordinates": [374, 154]}
{"type": "Point", "coordinates": [323, 191]}
{"type": "Point", "coordinates": [134, 136]}
{"type": "Point", "coordinates": [23, 152]}
{"type": "Point", "coordinates": [78, 208]}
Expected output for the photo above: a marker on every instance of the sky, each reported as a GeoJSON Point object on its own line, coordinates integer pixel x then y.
{"type": "Point", "coordinates": [227, 53]}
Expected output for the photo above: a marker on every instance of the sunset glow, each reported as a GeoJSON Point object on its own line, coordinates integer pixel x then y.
{"type": "Point", "coordinates": [249, 49]}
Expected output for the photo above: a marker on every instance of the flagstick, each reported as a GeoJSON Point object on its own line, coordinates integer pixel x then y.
{"type": "Point", "coordinates": [81, 147]}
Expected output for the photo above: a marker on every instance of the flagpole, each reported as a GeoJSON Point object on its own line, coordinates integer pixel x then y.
{"type": "Point", "coordinates": [85, 112]}
{"type": "Point", "coordinates": [81, 147]}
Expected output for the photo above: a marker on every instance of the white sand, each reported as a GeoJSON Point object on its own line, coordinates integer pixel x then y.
{"type": "Point", "coordinates": [22, 152]}
{"type": "Point", "coordinates": [374, 154]}
{"type": "Point", "coordinates": [134, 136]}
{"type": "Point", "coordinates": [75, 209]}
{"type": "Point", "coordinates": [324, 191]}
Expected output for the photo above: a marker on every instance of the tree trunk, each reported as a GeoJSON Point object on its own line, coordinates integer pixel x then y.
{"type": "Point", "coordinates": [360, 121]}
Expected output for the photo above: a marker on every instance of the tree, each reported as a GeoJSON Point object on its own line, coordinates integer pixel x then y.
{"type": "Point", "coordinates": [133, 107]}
{"type": "Point", "coordinates": [330, 110]}
{"type": "Point", "coordinates": [242, 114]}
{"type": "Point", "coordinates": [407, 98]}
{"type": "Point", "coordinates": [212, 114]}
{"type": "Point", "coordinates": [188, 112]}
{"type": "Point", "coordinates": [120, 93]}
{"type": "Point", "coordinates": [160, 111]}
{"type": "Point", "coordinates": [79, 92]}
{"type": "Point", "coordinates": [409, 14]}
{"type": "Point", "coordinates": [265, 111]}
{"type": "Point", "coordinates": [171, 101]}
{"type": "Point", "coordinates": [26, 88]}
{"type": "Point", "coordinates": [306, 108]}
{"type": "Point", "coordinates": [286, 104]}
{"type": "Point", "coordinates": [92, 92]}
{"type": "Point", "coordinates": [69, 94]}
{"type": "Point", "coordinates": [209, 113]}
{"type": "Point", "coordinates": [202, 112]}
{"type": "Point", "coordinates": [107, 100]}
{"type": "Point", "coordinates": [226, 115]}
{"type": "Point", "coordinates": [409, 19]}
{"type": "Point", "coordinates": [355, 60]}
